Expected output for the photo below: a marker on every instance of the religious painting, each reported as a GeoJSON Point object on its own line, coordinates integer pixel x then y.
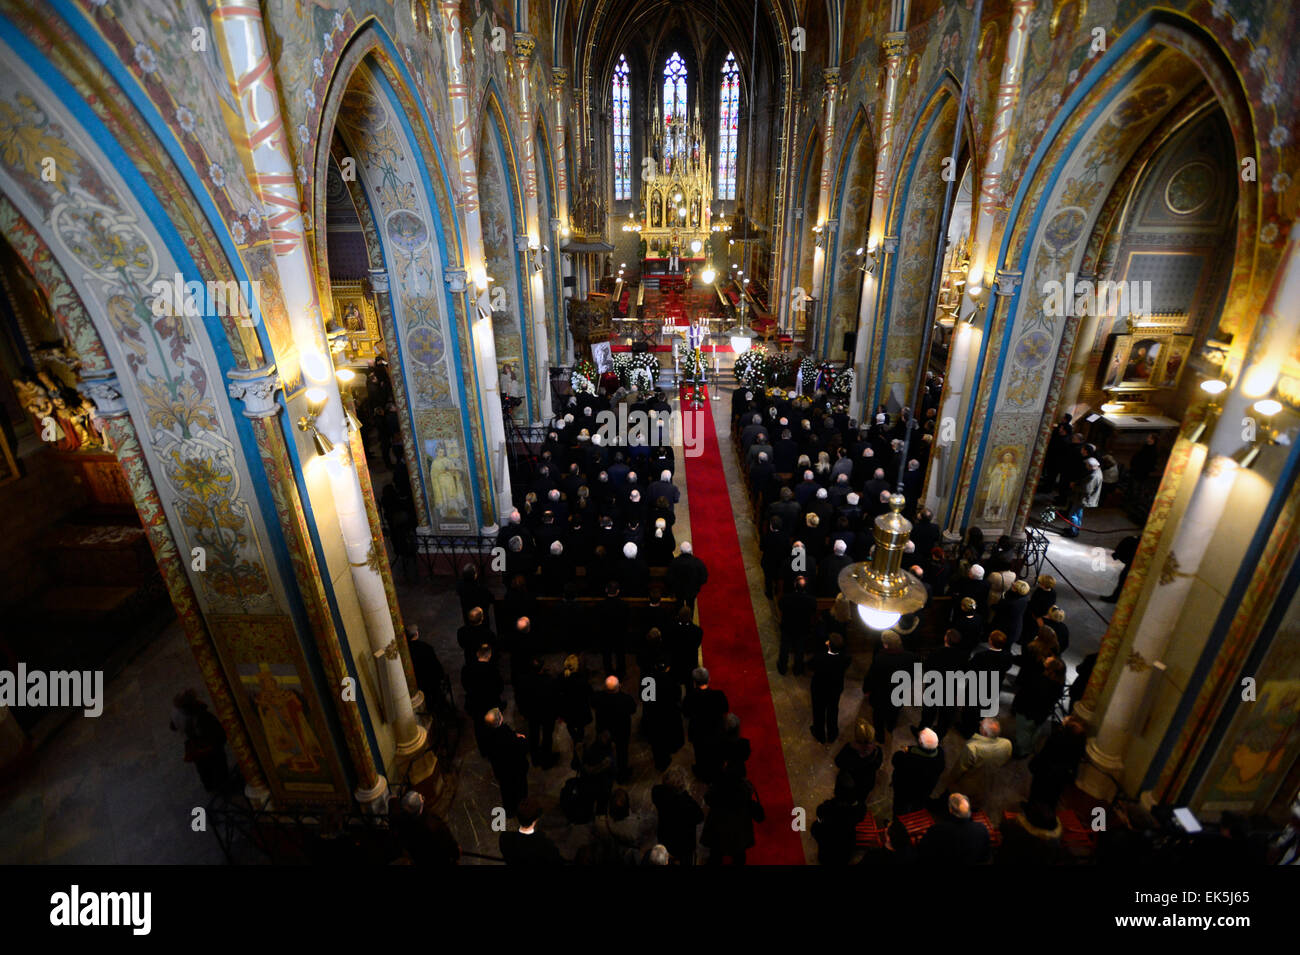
{"type": "Point", "coordinates": [280, 707]}
{"type": "Point", "coordinates": [511, 378]}
{"type": "Point", "coordinates": [1145, 362]}
{"type": "Point", "coordinates": [1264, 748]}
{"type": "Point", "coordinates": [453, 507]}
{"type": "Point", "coordinates": [656, 211]}
{"type": "Point", "coordinates": [1002, 485]}
{"type": "Point", "coordinates": [354, 311]}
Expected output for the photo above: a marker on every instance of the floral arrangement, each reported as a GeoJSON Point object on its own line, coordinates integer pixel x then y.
{"type": "Point", "coordinates": [837, 382]}
{"type": "Point", "coordinates": [751, 367]}
{"type": "Point", "coordinates": [584, 377]}
{"type": "Point", "coordinates": [694, 367]}
{"type": "Point", "coordinates": [807, 374]}
{"type": "Point", "coordinates": [639, 371]}
{"type": "Point", "coordinates": [781, 368]}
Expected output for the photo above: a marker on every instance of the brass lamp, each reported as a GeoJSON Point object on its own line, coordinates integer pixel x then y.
{"type": "Point", "coordinates": [882, 590]}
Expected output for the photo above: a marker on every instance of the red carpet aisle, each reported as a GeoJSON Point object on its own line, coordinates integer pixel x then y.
{"type": "Point", "coordinates": [732, 651]}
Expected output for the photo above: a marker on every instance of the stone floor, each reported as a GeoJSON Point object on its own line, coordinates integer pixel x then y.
{"type": "Point", "coordinates": [116, 790]}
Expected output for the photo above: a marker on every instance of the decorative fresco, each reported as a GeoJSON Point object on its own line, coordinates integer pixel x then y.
{"type": "Point", "coordinates": [388, 171]}
{"type": "Point", "coordinates": [163, 362]}
{"type": "Point", "coordinates": [854, 212]}
{"type": "Point", "coordinates": [913, 264]}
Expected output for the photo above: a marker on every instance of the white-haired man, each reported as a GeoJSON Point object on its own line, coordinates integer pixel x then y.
{"type": "Point", "coordinates": [687, 575]}
{"type": "Point", "coordinates": [955, 839]}
{"type": "Point", "coordinates": [916, 772]}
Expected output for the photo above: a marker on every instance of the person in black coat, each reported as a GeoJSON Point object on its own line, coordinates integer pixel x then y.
{"type": "Point", "coordinates": [614, 710]}
{"type": "Point", "coordinates": [948, 658]}
{"type": "Point", "coordinates": [474, 634]}
{"type": "Point", "coordinates": [798, 608]}
{"type": "Point", "coordinates": [829, 665]}
{"type": "Point", "coordinates": [528, 847]}
{"type": "Point", "coordinates": [508, 753]}
{"type": "Point", "coordinates": [956, 839]}
{"type": "Point", "coordinates": [483, 688]}
{"type": "Point", "coordinates": [423, 835]}
{"type": "Point", "coordinates": [687, 575]}
{"type": "Point", "coordinates": [205, 740]}
{"type": "Point", "coordinates": [733, 810]}
{"type": "Point", "coordinates": [472, 592]}
{"type": "Point", "coordinates": [661, 716]}
{"type": "Point", "coordinates": [835, 827]}
{"type": "Point", "coordinates": [861, 759]}
{"type": "Point", "coordinates": [683, 641]}
{"type": "Point", "coordinates": [1009, 614]}
{"type": "Point", "coordinates": [679, 816]}
{"type": "Point", "coordinates": [1057, 762]}
{"type": "Point", "coordinates": [878, 684]}
{"type": "Point", "coordinates": [706, 710]}
{"type": "Point", "coordinates": [612, 617]}
{"type": "Point", "coordinates": [916, 772]}
{"type": "Point", "coordinates": [537, 697]}
{"type": "Point", "coordinates": [573, 698]}
{"type": "Point", "coordinates": [429, 674]}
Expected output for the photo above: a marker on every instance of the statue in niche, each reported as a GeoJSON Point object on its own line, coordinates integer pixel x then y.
{"type": "Point", "coordinates": [656, 211]}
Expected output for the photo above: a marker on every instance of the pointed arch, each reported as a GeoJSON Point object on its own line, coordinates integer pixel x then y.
{"type": "Point", "coordinates": [851, 202]}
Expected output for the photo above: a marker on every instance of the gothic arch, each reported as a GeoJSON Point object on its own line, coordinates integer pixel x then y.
{"type": "Point", "coordinates": [851, 202]}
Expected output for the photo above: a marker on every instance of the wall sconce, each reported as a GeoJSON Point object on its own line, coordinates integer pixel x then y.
{"type": "Point", "coordinates": [976, 293]}
{"type": "Point", "coordinates": [1265, 432]}
{"type": "Point", "coordinates": [1213, 387]}
{"type": "Point", "coordinates": [316, 398]}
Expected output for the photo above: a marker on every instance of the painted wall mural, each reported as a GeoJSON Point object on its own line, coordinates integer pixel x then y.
{"type": "Point", "coordinates": [174, 385]}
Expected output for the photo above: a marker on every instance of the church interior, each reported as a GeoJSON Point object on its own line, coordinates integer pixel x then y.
{"type": "Point", "coordinates": [653, 432]}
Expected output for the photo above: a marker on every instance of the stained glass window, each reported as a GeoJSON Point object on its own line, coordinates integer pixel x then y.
{"type": "Point", "coordinates": [622, 133]}
{"type": "Point", "coordinates": [675, 113]}
{"type": "Point", "coordinates": [728, 128]}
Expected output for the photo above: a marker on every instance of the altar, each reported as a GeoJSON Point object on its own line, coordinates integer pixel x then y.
{"type": "Point", "coordinates": [676, 199]}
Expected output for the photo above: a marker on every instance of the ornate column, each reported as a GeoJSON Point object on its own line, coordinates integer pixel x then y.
{"type": "Point", "coordinates": [1082, 350]}
{"type": "Point", "coordinates": [1165, 603]}
{"type": "Point", "coordinates": [830, 91]}
{"type": "Point", "coordinates": [256, 388]}
{"type": "Point", "coordinates": [891, 51]}
{"type": "Point", "coordinates": [885, 252]}
{"type": "Point", "coordinates": [525, 44]}
{"type": "Point", "coordinates": [110, 408]}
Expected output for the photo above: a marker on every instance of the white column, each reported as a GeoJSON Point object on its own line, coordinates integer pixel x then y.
{"type": "Point", "coordinates": [892, 51]}
{"type": "Point", "coordinates": [1156, 627]}
{"type": "Point", "coordinates": [822, 250]}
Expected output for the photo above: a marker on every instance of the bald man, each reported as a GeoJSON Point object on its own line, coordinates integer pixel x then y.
{"type": "Point", "coordinates": [614, 710]}
{"type": "Point", "coordinates": [955, 839]}
{"type": "Point", "coordinates": [916, 772]}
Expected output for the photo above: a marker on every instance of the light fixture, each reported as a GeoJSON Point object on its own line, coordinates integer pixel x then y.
{"type": "Point", "coordinates": [1214, 386]}
{"type": "Point", "coordinates": [1267, 407]}
{"type": "Point", "coordinates": [345, 375]}
{"type": "Point", "coordinates": [742, 336]}
{"type": "Point", "coordinates": [860, 250]}
{"type": "Point", "coordinates": [696, 246]}
{"type": "Point", "coordinates": [316, 398]}
{"type": "Point", "coordinates": [708, 275]}
{"type": "Point", "coordinates": [881, 589]}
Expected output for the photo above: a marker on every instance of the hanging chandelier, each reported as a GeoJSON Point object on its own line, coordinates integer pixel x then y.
{"type": "Point", "coordinates": [881, 589]}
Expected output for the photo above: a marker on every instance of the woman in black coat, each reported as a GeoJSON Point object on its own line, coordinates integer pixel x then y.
{"type": "Point", "coordinates": [1009, 614]}
{"type": "Point", "coordinates": [661, 717]}
{"type": "Point", "coordinates": [733, 810]}
{"type": "Point", "coordinates": [861, 759]}
{"type": "Point", "coordinates": [1057, 762]}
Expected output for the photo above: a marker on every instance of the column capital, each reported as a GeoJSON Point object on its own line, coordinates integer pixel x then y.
{"type": "Point", "coordinates": [894, 44]}
{"type": "Point", "coordinates": [256, 388]}
{"type": "Point", "coordinates": [521, 243]}
{"type": "Point", "coordinates": [831, 76]}
{"type": "Point", "coordinates": [1006, 281]}
{"type": "Point", "coordinates": [525, 44]}
{"type": "Point", "coordinates": [457, 279]}
{"type": "Point", "coordinates": [105, 392]}
{"type": "Point", "coordinates": [558, 76]}
{"type": "Point", "coordinates": [379, 281]}
{"type": "Point", "coordinates": [890, 242]}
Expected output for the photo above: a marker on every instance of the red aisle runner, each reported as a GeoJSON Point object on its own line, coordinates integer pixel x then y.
{"type": "Point", "coordinates": [732, 651]}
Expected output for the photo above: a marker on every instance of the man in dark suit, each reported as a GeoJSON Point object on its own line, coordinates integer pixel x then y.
{"type": "Point", "coordinates": [679, 816]}
{"type": "Point", "coordinates": [687, 575]}
{"type": "Point", "coordinates": [878, 684]}
{"type": "Point", "coordinates": [483, 688]}
{"type": "Point", "coordinates": [537, 696]}
{"type": "Point", "coordinates": [528, 846]}
{"type": "Point", "coordinates": [916, 772]}
{"type": "Point", "coordinates": [508, 752]}
{"type": "Point", "coordinates": [829, 665]}
{"type": "Point", "coordinates": [614, 710]}
{"type": "Point", "coordinates": [472, 592]}
{"type": "Point", "coordinates": [948, 658]}
{"type": "Point", "coordinates": [429, 674]}
{"type": "Point", "coordinates": [956, 839]}
{"type": "Point", "coordinates": [798, 607]}
{"type": "Point", "coordinates": [707, 710]}
{"type": "Point", "coordinates": [474, 634]}
{"type": "Point", "coordinates": [925, 532]}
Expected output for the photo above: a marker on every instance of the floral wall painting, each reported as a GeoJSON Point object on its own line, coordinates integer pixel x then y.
{"type": "Point", "coordinates": [453, 508]}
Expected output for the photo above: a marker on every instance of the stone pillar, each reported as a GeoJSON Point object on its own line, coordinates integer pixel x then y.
{"type": "Point", "coordinates": [110, 407]}
{"type": "Point", "coordinates": [532, 251]}
{"type": "Point", "coordinates": [831, 78]}
{"type": "Point", "coordinates": [1150, 641]}
{"type": "Point", "coordinates": [256, 389]}
{"type": "Point", "coordinates": [892, 51]}
{"type": "Point", "coordinates": [1082, 351]}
